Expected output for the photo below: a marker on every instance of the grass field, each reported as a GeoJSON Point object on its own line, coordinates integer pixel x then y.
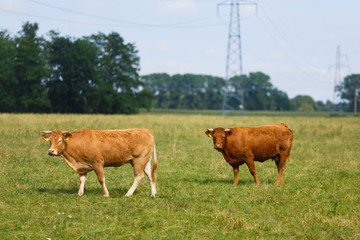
{"type": "Point", "coordinates": [320, 197]}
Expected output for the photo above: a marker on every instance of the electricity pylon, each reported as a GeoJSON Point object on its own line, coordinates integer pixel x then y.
{"type": "Point", "coordinates": [338, 67]}
{"type": "Point", "coordinates": [234, 58]}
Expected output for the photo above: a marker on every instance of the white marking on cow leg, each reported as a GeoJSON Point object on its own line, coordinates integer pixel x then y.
{"type": "Point", "coordinates": [137, 180]}
{"type": "Point", "coordinates": [105, 191]}
{"type": "Point", "coordinates": [147, 171]}
{"type": "Point", "coordinates": [82, 178]}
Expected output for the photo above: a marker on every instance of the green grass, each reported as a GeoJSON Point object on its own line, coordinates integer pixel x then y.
{"type": "Point", "coordinates": [320, 197]}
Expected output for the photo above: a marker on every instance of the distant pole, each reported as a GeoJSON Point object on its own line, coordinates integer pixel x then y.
{"type": "Point", "coordinates": [234, 58]}
{"type": "Point", "coordinates": [355, 101]}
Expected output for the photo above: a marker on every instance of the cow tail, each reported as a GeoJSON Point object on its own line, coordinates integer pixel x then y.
{"type": "Point", "coordinates": [289, 156]}
{"type": "Point", "coordinates": [291, 141]}
{"type": "Point", "coordinates": [155, 163]}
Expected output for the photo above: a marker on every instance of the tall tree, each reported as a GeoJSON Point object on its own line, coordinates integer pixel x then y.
{"type": "Point", "coordinates": [30, 71]}
{"type": "Point", "coordinates": [279, 100]}
{"type": "Point", "coordinates": [73, 82]}
{"type": "Point", "coordinates": [188, 91]}
{"type": "Point", "coordinates": [119, 68]}
{"type": "Point", "coordinates": [259, 93]}
{"type": "Point", "coordinates": [8, 81]}
{"type": "Point", "coordinates": [159, 84]}
{"type": "Point", "coordinates": [349, 90]}
{"type": "Point", "coordinates": [213, 96]}
{"type": "Point", "coordinates": [303, 103]}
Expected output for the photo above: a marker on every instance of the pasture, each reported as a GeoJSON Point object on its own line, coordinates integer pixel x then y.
{"type": "Point", "coordinates": [320, 197]}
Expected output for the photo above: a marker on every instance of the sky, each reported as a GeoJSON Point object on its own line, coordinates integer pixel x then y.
{"type": "Point", "coordinates": [294, 42]}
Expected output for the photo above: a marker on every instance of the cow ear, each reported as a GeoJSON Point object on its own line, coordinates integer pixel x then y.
{"type": "Point", "coordinates": [46, 137]}
{"type": "Point", "coordinates": [209, 132]}
{"type": "Point", "coordinates": [228, 132]}
{"type": "Point", "coordinates": [67, 135]}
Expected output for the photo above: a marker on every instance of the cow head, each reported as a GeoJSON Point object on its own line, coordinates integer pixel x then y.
{"type": "Point", "coordinates": [219, 136]}
{"type": "Point", "coordinates": [57, 141]}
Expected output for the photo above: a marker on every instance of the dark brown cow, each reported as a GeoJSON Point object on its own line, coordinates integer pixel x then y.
{"type": "Point", "coordinates": [87, 150]}
{"type": "Point", "coordinates": [241, 145]}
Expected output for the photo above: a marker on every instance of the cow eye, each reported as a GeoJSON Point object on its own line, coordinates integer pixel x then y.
{"type": "Point", "coordinates": [59, 141]}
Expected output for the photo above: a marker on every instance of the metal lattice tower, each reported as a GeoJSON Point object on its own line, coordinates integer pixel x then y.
{"type": "Point", "coordinates": [337, 78]}
{"type": "Point", "coordinates": [234, 58]}
{"type": "Point", "coordinates": [338, 67]}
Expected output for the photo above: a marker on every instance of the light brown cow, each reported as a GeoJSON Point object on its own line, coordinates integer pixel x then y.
{"type": "Point", "coordinates": [91, 150]}
{"type": "Point", "coordinates": [241, 145]}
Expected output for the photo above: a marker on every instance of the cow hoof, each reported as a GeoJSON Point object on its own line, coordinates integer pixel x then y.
{"type": "Point", "coordinates": [279, 181]}
{"type": "Point", "coordinates": [106, 195]}
{"type": "Point", "coordinates": [80, 194]}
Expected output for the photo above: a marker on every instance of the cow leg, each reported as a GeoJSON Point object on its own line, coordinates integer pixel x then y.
{"type": "Point", "coordinates": [82, 178]}
{"type": "Point", "coordinates": [139, 174]}
{"type": "Point", "coordinates": [251, 166]}
{"type": "Point", "coordinates": [147, 171]}
{"type": "Point", "coordinates": [101, 177]}
{"type": "Point", "coordinates": [281, 165]}
{"type": "Point", "coordinates": [236, 175]}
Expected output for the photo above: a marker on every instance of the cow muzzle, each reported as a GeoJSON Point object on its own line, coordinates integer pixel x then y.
{"type": "Point", "coordinates": [52, 152]}
{"type": "Point", "coordinates": [218, 146]}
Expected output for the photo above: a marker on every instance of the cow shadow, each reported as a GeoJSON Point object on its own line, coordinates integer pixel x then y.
{"type": "Point", "coordinates": [57, 190]}
{"type": "Point", "coordinates": [207, 181]}
{"type": "Point", "coordinates": [120, 191]}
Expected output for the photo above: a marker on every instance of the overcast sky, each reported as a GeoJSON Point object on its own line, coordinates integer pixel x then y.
{"type": "Point", "coordinates": [294, 42]}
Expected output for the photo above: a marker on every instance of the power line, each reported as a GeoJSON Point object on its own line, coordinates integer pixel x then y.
{"type": "Point", "coordinates": [285, 39]}
{"type": "Point", "coordinates": [106, 24]}
{"type": "Point", "coordinates": [54, 19]}
{"type": "Point", "coordinates": [294, 36]}
{"type": "Point", "coordinates": [85, 14]}
{"type": "Point", "coordinates": [131, 23]}
{"type": "Point", "coordinates": [292, 60]}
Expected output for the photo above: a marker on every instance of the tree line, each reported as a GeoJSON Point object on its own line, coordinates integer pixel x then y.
{"type": "Point", "coordinates": [100, 74]}
{"type": "Point", "coordinates": [93, 74]}
{"type": "Point", "coordinates": [190, 91]}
